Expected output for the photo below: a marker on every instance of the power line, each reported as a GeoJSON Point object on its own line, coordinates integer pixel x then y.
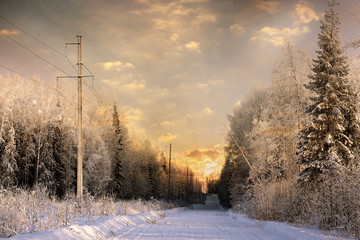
{"type": "Point", "coordinates": [42, 42]}
{"type": "Point", "coordinates": [33, 37]}
{"type": "Point", "coordinates": [34, 53]}
{"type": "Point", "coordinates": [94, 92]}
{"type": "Point", "coordinates": [40, 83]}
{"type": "Point", "coordinates": [88, 70]}
{"type": "Point", "coordinates": [69, 59]}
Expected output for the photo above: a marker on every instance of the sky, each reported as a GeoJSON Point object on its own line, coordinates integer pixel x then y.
{"type": "Point", "coordinates": [175, 68]}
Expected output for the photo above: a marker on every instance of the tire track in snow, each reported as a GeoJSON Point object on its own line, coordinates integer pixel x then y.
{"type": "Point", "coordinates": [211, 222]}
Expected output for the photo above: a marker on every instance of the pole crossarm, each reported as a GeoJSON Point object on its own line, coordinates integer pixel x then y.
{"type": "Point", "coordinates": [77, 76]}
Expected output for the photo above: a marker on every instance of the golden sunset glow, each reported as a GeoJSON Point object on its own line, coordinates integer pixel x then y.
{"type": "Point", "coordinates": [175, 68]}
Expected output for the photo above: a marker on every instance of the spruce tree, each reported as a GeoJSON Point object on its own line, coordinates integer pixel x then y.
{"type": "Point", "coordinates": [330, 142]}
{"type": "Point", "coordinates": [117, 176]}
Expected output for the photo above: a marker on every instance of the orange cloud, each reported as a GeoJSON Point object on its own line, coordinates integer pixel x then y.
{"type": "Point", "coordinates": [9, 32]}
{"type": "Point", "coordinates": [135, 85]}
{"type": "Point", "coordinates": [116, 65]}
{"type": "Point", "coordinates": [167, 137]}
{"type": "Point", "coordinates": [200, 153]}
{"type": "Point", "coordinates": [205, 161]}
{"type": "Point", "coordinates": [167, 123]}
{"type": "Point", "coordinates": [193, 46]}
{"type": "Point", "coordinates": [207, 110]}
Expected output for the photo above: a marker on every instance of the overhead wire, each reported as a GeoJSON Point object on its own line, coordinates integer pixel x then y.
{"type": "Point", "coordinates": [39, 40]}
{"type": "Point", "coordinates": [28, 49]}
{"type": "Point", "coordinates": [92, 86]}
{"type": "Point", "coordinates": [94, 92]}
{"type": "Point", "coordinates": [72, 65]}
{"type": "Point", "coordinates": [30, 35]}
{"type": "Point", "coordinates": [40, 83]}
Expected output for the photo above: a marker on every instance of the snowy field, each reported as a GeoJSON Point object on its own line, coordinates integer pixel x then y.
{"type": "Point", "coordinates": [207, 221]}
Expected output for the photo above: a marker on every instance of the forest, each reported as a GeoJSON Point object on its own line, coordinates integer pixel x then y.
{"type": "Point", "coordinates": [292, 151]}
{"type": "Point", "coordinates": [38, 146]}
{"type": "Point", "coordinates": [123, 172]}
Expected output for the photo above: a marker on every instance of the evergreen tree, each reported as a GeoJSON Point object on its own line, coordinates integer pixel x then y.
{"type": "Point", "coordinates": [60, 170]}
{"type": "Point", "coordinates": [331, 141]}
{"type": "Point", "coordinates": [225, 181]}
{"type": "Point", "coordinates": [117, 176]}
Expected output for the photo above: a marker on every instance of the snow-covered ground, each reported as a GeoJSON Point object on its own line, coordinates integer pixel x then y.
{"type": "Point", "coordinates": [207, 221]}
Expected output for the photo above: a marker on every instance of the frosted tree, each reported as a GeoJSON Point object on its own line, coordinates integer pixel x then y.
{"type": "Point", "coordinates": [8, 161]}
{"type": "Point", "coordinates": [331, 140]}
{"type": "Point", "coordinates": [274, 134]}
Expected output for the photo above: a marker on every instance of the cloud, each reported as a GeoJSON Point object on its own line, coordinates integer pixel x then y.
{"type": "Point", "coordinates": [132, 115]}
{"type": "Point", "coordinates": [237, 29]}
{"type": "Point", "coordinates": [210, 83]}
{"type": "Point", "coordinates": [193, 1]}
{"type": "Point", "coordinates": [131, 86]}
{"type": "Point", "coordinates": [112, 82]}
{"type": "Point", "coordinates": [116, 65]}
{"type": "Point", "coordinates": [205, 18]}
{"type": "Point", "coordinates": [9, 32]}
{"type": "Point", "coordinates": [207, 110]}
{"type": "Point", "coordinates": [135, 85]}
{"type": "Point", "coordinates": [268, 6]}
{"type": "Point", "coordinates": [167, 137]}
{"type": "Point", "coordinates": [163, 123]}
{"type": "Point", "coordinates": [193, 46]}
{"type": "Point", "coordinates": [167, 123]}
{"type": "Point", "coordinates": [174, 37]}
{"type": "Point", "coordinates": [304, 12]}
{"type": "Point", "coordinates": [201, 153]}
{"type": "Point", "coordinates": [278, 36]}
{"type": "Point", "coordinates": [205, 161]}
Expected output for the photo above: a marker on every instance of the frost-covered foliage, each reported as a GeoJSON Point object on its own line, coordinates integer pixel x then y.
{"type": "Point", "coordinates": [331, 141]}
{"type": "Point", "coordinates": [263, 130]}
{"type": "Point", "coordinates": [23, 211]}
{"type": "Point", "coordinates": [301, 142]}
{"type": "Point", "coordinates": [38, 146]}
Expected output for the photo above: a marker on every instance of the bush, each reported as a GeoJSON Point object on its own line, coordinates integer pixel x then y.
{"type": "Point", "coordinates": [23, 211]}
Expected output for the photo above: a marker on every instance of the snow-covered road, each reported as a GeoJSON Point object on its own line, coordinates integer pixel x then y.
{"type": "Point", "coordinates": [208, 221]}
{"type": "Point", "coordinates": [212, 222]}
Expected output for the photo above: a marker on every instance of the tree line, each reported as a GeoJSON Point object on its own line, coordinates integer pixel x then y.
{"type": "Point", "coordinates": [292, 150]}
{"type": "Point", "coordinates": [38, 147]}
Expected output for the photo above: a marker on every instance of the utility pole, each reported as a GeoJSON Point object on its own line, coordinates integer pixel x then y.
{"type": "Point", "coordinates": [80, 151]}
{"type": "Point", "coordinates": [196, 187]}
{"type": "Point", "coordinates": [187, 184]}
{"type": "Point", "coordinates": [79, 185]}
{"type": "Point", "coordinates": [169, 185]}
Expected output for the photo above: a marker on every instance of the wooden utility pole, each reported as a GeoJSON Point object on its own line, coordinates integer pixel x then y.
{"type": "Point", "coordinates": [169, 185]}
{"type": "Point", "coordinates": [80, 151]}
{"type": "Point", "coordinates": [187, 184]}
{"type": "Point", "coordinates": [79, 189]}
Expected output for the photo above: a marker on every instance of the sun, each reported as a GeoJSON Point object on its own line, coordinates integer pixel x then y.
{"type": "Point", "coordinates": [210, 166]}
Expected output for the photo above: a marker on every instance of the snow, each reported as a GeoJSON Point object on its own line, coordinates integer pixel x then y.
{"type": "Point", "coordinates": [209, 221]}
